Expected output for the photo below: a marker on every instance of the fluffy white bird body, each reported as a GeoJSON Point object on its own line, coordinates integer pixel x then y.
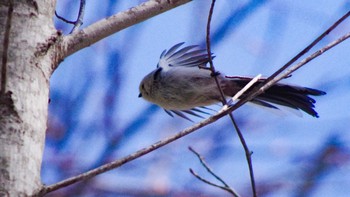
{"type": "Point", "coordinates": [179, 88]}
{"type": "Point", "coordinates": [182, 83]}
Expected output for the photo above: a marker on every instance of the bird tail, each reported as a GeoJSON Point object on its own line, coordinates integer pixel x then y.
{"type": "Point", "coordinates": [295, 97]}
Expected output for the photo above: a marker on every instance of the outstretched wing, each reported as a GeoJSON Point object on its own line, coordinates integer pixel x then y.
{"type": "Point", "coordinates": [193, 112]}
{"type": "Point", "coordinates": [187, 56]}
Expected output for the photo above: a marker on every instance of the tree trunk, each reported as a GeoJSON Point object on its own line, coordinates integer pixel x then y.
{"type": "Point", "coordinates": [26, 33]}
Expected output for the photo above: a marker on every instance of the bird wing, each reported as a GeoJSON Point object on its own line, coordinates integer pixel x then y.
{"type": "Point", "coordinates": [187, 56]}
{"type": "Point", "coordinates": [194, 112]}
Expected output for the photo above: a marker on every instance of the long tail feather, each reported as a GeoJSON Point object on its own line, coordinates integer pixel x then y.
{"type": "Point", "coordinates": [281, 94]}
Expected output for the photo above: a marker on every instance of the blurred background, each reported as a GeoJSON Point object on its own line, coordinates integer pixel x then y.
{"type": "Point", "coordinates": [95, 115]}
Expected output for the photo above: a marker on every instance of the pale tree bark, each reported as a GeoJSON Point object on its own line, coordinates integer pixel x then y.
{"type": "Point", "coordinates": [30, 50]}
{"type": "Point", "coordinates": [26, 28]}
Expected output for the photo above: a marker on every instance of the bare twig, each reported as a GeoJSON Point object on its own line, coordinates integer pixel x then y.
{"type": "Point", "coordinates": [63, 19]}
{"type": "Point", "coordinates": [223, 99]}
{"type": "Point", "coordinates": [131, 157]}
{"type": "Point", "coordinates": [77, 23]}
{"type": "Point", "coordinates": [253, 94]}
{"type": "Point", "coordinates": [139, 153]}
{"type": "Point", "coordinates": [226, 187]}
{"type": "Point", "coordinates": [212, 68]}
{"type": "Point", "coordinates": [306, 49]}
{"type": "Point", "coordinates": [273, 81]}
{"type": "Point", "coordinates": [211, 183]}
{"type": "Point", "coordinates": [248, 154]}
{"type": "Point", "coordinates": [242, 91]}
{"type": "Point", "coordinates": [80, 17]}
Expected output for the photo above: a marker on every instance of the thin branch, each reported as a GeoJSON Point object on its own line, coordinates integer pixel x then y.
{"type": "Point", "coordinates": [238, 131]}
{"type": "Point", "coordinates": [131, 157]}
{"type": "Point", "coordinates": [242, 91]}
{"type": "Point", "coordinates": [80, 17]}
{"type": "Point", "coordinates": [212, 68]}
{"type": "Point", "coordinates": [284, 75]}
{"type": "Point", "coordinates": [289, 71]}
{"type": "Point", "coordinates": [227, 26]}
{"type": "Point", "coordinates": [77, 23]}
{"type": "Point", "coordinates": [226, 187]}
{"type": "Point", "coordinates": [63, 19]}
{"type": "Point", "coordinates": [139, 153]}
{"type": "Point", "coordinates": [303, 62]}
{"type": "Point", "coordinates": [248, 153]}
{"type": "Point", "coordinates": [113, 24]}
{"type": "Point", "coordinates": [213, 184]}
{"type": "Point", "coordinates": [306, 49]}
{"type": "Point", "coordinates": [205, 165]}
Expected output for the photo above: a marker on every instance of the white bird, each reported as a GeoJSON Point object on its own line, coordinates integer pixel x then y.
{"type": "Point", "coordinates": [182, 82]}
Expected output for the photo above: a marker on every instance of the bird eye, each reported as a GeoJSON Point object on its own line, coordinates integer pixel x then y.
{"type": "Point", "coordinates": [143, 86]}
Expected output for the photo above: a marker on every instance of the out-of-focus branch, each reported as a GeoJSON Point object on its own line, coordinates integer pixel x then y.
{"type": "Point", "coordinates": [226, 187]}
{"type": "Point", "coordinates": [230, 24]}
{"type": "Point", "coordinates": [108, 26]}
{"type": "Point", "coordinates": [332, 154]}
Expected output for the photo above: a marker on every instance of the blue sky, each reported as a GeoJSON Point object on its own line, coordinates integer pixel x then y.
{"type": "Point", "coordinates": [94, 99]}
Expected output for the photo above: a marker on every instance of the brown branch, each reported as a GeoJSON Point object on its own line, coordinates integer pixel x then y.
{"type": "Point", "coordinates": [77, 23]}
{"type": "Point", "coordinates": [226, 187]}
{"type": "Point", "coordinates": [211, 64]}
{"type": "Point", "coordinates": [248, 153]}
{"type": "Point", "coordinates": [131, 157]}
{"type": "Point", "coordinates": [306, 49]}
{"type": "Point", "coordinates": [80, 17]}
{"type": "Point", "coordinates": [108, 26]}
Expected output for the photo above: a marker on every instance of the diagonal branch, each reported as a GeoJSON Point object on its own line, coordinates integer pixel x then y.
{"type": "Point", "coordinates": [117, 163]}
{"type": "Point", "coordinates": [108, 26]}
{"type": "Point", "coordinates": [306, 49]}
{"type": "Point", "coordinates": [287, 73]}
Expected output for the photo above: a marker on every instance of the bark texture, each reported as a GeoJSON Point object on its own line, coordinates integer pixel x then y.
{"type": "Point", "coordinates": [30, 50]}
{"type": "Point", "coordinates": [26, 33]}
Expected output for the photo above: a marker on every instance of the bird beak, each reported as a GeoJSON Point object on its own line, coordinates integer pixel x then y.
{"type": "Point", "coordinates": [140, 95]}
